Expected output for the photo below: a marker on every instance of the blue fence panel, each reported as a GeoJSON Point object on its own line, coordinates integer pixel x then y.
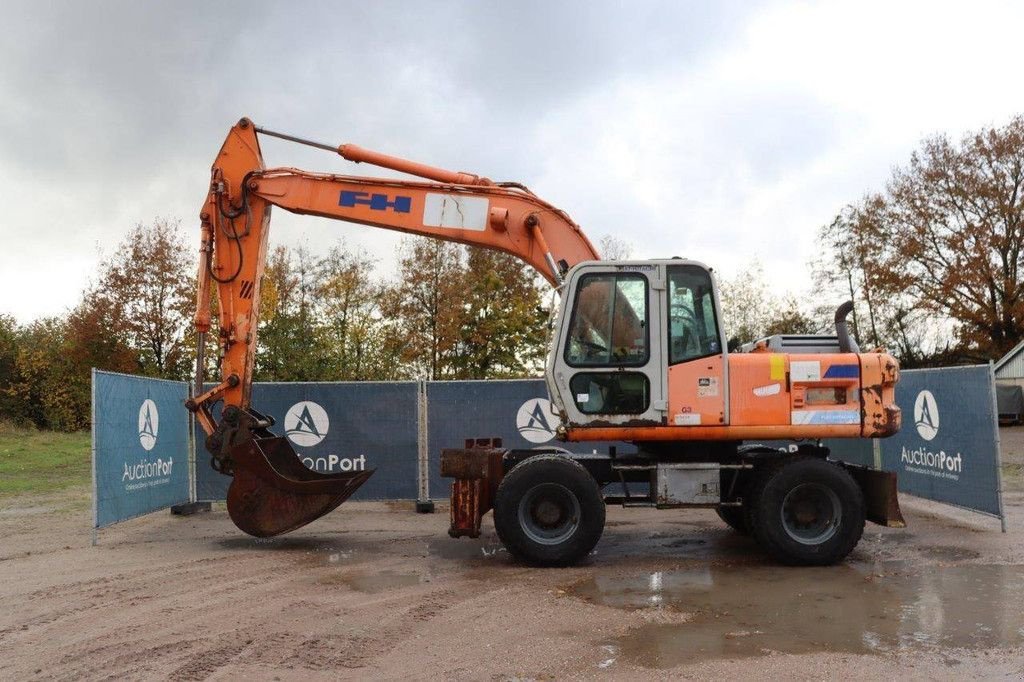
{"type": "Point", "coordinates": [948, 448]}
{"type": "Point", "coordinates": [140, 446]}
{"type": "Point", "coordinates": [517, 411]}
{"type": "Point", "coordinates": [337, 427]}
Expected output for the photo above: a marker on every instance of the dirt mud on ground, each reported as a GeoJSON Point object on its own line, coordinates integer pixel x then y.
{"type": "Point", "coordinates": [377, 591]}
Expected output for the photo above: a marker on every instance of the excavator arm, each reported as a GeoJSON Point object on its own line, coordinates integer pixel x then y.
{"type": "Point", "coordinates": [271, 491]}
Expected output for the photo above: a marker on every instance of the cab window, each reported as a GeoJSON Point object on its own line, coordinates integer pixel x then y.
{"type": "Point", "coordinates": [609, 322]}
{"type": "Point", "coordinates": [611, 392]}
{"type": "Point", "coordinates": [693, 323]}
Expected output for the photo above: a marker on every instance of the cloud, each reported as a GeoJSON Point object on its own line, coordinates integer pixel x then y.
{"type": "Point", "coordinates": [721, 131]}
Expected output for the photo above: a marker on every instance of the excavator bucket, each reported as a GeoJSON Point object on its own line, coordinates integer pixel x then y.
{"type": "Point", "coordinates": [272, 492]}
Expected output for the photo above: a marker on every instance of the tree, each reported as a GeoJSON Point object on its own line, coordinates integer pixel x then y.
{"type": "Point", "coordinates": [321, 320]}
{"type": "Point", "coordinates": [459, 315]}
{"type": "Point", "coordinates": [942, 247]}
{"type": "Point", "coordinates": [747, 305]}
{"type": "Point", "coordinates": [292, 341]}
{"type": "Point", "coordinates": [955, 225]}
{"type": "Point", "coordinates": [147, 291]}
{"type": "Point", "coordinates": [851, 263]}
{"type": "Point", "coordinates": [45, 377]}
{"type": "Point", "coordinates": [51, 391]}
{"type": "Point", "coordinates": [427, 305]}
{"type": "Point", "coordinates": [502, 331]}
{"type": "Point", "coordinates": [787, 317]}
{"type": "Point", "coordinates": [10, 406]}
{"type": "Point", "coordinates": [613, 248]}
{"type": "Point", "coordinates": [751, 310]}
{"type": "Point", "coordinates": [350, 300]}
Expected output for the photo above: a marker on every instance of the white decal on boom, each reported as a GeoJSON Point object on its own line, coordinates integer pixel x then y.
{"type": "Point", "coordinates": [456, 211]}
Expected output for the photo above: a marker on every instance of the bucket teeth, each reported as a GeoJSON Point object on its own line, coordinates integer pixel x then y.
{"type": "Point", "coordinates": [272, 492]}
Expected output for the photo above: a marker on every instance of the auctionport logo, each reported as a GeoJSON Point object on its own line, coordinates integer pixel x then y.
{"type": "Point", "coordinates": [935, 463]}
{"type": "Point", "coordinates": [145, 473]}
{"type": "Point", "coordinates": [306, 423]}
{"type": "Point", "coordinates": [149, 424]}
{"type": "Point", "coordinates": [922, 460]}
{"type": "Point", "coordinates": [926, 415]}
{"type": "Point", "coordinates": [533, 420]}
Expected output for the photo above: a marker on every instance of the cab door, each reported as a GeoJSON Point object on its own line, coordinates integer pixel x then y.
{"type": "Point", "coordinates": [697, 375]}
{"type": "Point", "coordinates": [609, 364]}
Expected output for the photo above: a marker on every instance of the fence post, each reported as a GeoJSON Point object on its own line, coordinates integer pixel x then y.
{"type": "Point", "coordinates": [999, 448]}
{"type": "Point", "coordinates": [190, 393]}
{"type": "Point", "coordinates": [193, 506]}
{"type": "Point", "coordinates": [424, 505]}
{"type": "Point", "coordinates": [95, 487]}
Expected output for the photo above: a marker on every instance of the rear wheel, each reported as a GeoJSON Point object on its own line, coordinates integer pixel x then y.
{"type": "Point", "coordinates": [548, 511]}
{"type": "Point", "coordinates": [806, 511]}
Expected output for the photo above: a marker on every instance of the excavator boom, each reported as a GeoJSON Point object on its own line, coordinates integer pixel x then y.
{"type": "Point", "coordinates": [271, 492]}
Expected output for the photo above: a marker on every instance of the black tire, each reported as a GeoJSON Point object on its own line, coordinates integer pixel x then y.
{"type": "Point", "coordinates": [548, 511]}
{"type": "Point", "coordinates": [806, 511]}
{"type": "Point", "coordinates": [735, 518]}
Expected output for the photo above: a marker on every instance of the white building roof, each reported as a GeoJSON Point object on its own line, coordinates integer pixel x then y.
{"type": "Point", "coordinates": [1011, 365]}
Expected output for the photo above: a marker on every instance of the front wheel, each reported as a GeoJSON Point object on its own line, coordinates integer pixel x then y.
{"type": "Point", "coordinates": [806, 511]}
{"type": "Point", "coordinates": [548, 511]}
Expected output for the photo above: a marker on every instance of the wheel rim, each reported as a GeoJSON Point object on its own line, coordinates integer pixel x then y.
{"type": "Point", "coordinates": [811, 513]}
{"type": "Point", "coordinates": [549, 513]}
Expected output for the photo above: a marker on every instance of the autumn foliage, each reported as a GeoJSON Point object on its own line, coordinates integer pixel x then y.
{"type": "Point", "coordinates": [449, 313]}
{"type": "Point", "coordinates": [936, 260]}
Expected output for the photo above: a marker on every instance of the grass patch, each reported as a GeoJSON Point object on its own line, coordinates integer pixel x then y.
{"type": "Point", "coordinates": [1013, 477]}
{"type": "Point", "coordinates": [43, 461]}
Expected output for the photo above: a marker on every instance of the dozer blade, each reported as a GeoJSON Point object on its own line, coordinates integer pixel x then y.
{"type": "Point", "coordinates": [881, 501]}
{"type": "Point", "coordinates": [272, 492]}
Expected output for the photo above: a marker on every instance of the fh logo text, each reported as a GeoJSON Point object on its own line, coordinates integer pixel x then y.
{"type": "Point", "coordinates": [376, 202]}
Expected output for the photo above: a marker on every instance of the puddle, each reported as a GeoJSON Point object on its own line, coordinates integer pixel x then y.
{"type": "Point", "coordinates": [941, 553]}
{"type": "Point", "coordinates": [343, 555]}
{"type": "Point", "coordinates": [685, 542]}
{"type": "Point", "coordinates": [372, 583]}
{"type": "Point", "coordinates": [465, 548]}
{"type": "Point", "coordinates": [735, 612]}
{"type": "Point", "coordinates": [611, 654]}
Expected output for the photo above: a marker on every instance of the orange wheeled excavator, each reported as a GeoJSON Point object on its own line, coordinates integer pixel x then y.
{"type": "Point", "coordinates": [638, 354]}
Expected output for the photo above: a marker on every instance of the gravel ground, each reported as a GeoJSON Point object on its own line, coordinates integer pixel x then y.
{"type": "Point", "coordinates": [375, 590]}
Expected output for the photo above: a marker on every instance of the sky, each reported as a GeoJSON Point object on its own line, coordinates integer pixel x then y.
{"type": "Point", "coordinates": [719, 131]}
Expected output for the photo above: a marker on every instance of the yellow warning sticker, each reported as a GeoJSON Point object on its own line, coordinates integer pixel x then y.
{"type": "Point", "coordinates": [777, 362]}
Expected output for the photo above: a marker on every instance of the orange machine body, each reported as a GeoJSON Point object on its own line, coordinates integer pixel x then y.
{"type": "Point", "coordinates": [719, 396]}
{"type": "Point", "coordinates": [770, 396]}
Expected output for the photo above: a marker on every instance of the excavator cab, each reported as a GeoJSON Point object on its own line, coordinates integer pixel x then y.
{"type": "Point", "coordinates": [632, 330]}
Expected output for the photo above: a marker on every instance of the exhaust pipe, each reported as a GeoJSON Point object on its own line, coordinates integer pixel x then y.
{"type": "Point", "coordinates": [846, 343]}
